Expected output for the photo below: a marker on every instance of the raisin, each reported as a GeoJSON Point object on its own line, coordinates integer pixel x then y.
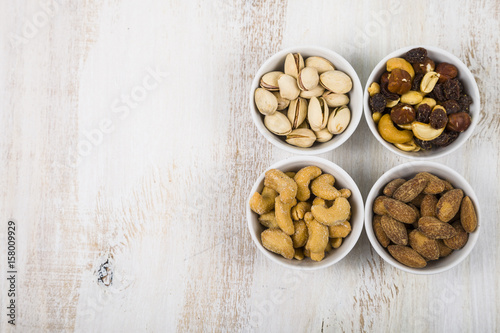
{"type": "Point", "coordinates": [423, 113]}
{"type": "Point", "coordinates": [416, 55]}
{"type": "Point", "coordinates": [437, 93]}
{"type": "Point", "coordinates": [451, 106]}
{"type": "Point", "coordinates": [438, 118]}
{"type": "Point", "coordinates": [445, 139]}
{"type": "Point", "coordinates": [451, 89]}
{"type": "Point", "coordinates": [425, 145]}
{"type": "Point", "coordinates": [377, 103]}
{"type": "Point", "coordinates": [416, 81]}
{"type": "Point", "coordinates": [460, 86]}
{"type": "Point", "coordinates": [465, 101]}
{"type": "Point", "coordinates": [387, 94]}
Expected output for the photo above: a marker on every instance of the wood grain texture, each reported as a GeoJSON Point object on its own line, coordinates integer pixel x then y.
{"type": "Point", "coordinates": [127, 138]}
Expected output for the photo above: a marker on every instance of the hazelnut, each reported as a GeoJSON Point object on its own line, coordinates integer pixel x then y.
{"type": "Point", "coordinates": [399, 81]}
{"type": "Point", "coordinates": [446, 71]}
{"type": "Point", "coordinates": [458, 122]}
{"type": "Point", "coordinates": [384, 79]}
{"type": "Point", "coordinates": [438, 117]}
{"type": "Point", "coordinates": [402, 114]}
{"type": "Point", "coordinates": [424, 66]}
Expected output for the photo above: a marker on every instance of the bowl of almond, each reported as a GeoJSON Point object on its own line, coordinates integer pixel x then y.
{"type": "Point", "coordinates": [421, 102]}
{"type": "Point", "coordinates": [422, 217]}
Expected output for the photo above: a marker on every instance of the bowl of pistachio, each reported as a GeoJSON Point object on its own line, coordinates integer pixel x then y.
{"type": "Point", "coordinates": [306, 100]}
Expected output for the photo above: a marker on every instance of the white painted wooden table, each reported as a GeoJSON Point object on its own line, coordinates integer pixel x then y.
{"type": "Point", "coordinates": [126, 136]}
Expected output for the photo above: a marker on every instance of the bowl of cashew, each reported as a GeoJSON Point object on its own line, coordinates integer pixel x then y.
{"type": "Point", "coordinates": [292, 199]}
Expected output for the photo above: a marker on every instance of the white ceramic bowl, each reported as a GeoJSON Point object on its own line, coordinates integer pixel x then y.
{"type": "Point", "coordinates": [342, 180]}
{"type": "Point", "coordinates": [276, 62]}
{"type": "Point", "coordinates": [470, 87]}
{"type": "Point", "coordinates": [407, 171]}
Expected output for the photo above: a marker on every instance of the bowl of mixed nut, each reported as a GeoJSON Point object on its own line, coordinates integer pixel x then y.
{"type": "Point", "coordinates": [306, 100]}
{"type": "Point", "coordinates": [305, 213]}
{"type": "Point", "coordinates": [422, 217]}
{"type": "Point", "coordinates": [421, 102]}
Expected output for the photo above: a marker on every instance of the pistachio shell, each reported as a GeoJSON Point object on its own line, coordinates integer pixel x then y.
{"type": "Point", "coordinates": [318, 113]}
{"type": "Point", "coordinates": [282, 102]}
{"type": "Point", "coordinates": [321, 64]}
{"type": "Point", "coordinates": [315, 92]}
{"type": "Point", "coordinates": [308, 78]}
{"type": "Point", "coordinates": [297, 112]}
{"type": "Point", "coordinates": [324, 135]}
{"type": "Point", "coordinates": [293, 64]}
{"type": "Point", "coordinates": [265, 101]}
{"type": "Point", "coordinates": [278, 123]}
{"type": "Point", "coordinates": [304, 124]}
{"type": "Point", "coordinates": [269, 81]}
{"type": "Point", "coordinates": [336, 81]}
{"type": "Point", "coordinates": [339, 120]}
{"type": "Point", "coordinates": [301, 137]}
{"type": "Point", "coordinates": [335, 100]}
{"type": "Point", "coordinates": [288, 87]}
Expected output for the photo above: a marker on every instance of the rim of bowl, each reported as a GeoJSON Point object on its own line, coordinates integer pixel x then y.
{"type": "Point", "coordinates": [473, 91]}
{"type": "Point", "coordinates": [412, 169]}
{"type": "Point", "coordinates": [357, 226]}
{"type": "Point", "coordinates": [340, 63]}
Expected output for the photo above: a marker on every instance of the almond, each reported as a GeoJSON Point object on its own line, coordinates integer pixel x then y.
{"type": "Point", "coordinates": [468, 216]}
{"type": "Point", "coordinates": [460, 239]}
{"type": "Point", "coordinates": [435, 229]}
{"type": "Point", "coordinates": [444, 250]}
{"type": "Point", "coordinates": [400, 211]}
{"type": "Point", "coordinates": [392, 186]}
{"type": "Point", "coordinates": [395, 230]}
{"type": "Point", "coordinates": [378, 205]}
{"type": "Point", "coordinates": [379, 231]}
{"type": "Point", "coordinates": [410, 189]}
{"type": "Point", "coordinates": [449, 204]}
{"type": "Point", "coordinates": [434, 185]}
{"type": "Point", "coordinates": [418, 200]}
{"type": "Point", "coordinates": [428, 206]}
{"type": "Point", "coordinates": [426, 247]}
{"type": "Point", "coordinates": [407, 256]}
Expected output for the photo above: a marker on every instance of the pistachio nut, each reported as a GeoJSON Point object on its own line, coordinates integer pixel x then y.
{"type": "Point", "coordinates": [411, 97]}
{"type": "Point", "coordinates": [321, 64]}
{"type": "Point", "coordinates": [318, 113]}
{"type": "Point", "coordinates": [336, 81]}
{"type": "Point", "coordinates": [339, 120]}
{"type": "Point", "coordinates": [282, 102]}
{"type": "Point", "coordinates": [315, 92]}
{"type": "Point", "coordinates": [374, 88]}
{"type": "Point", "coordinates": [308, 78]}
{"type": "Point", "coordinates": [288, 87]}
{"type": "Point", "coordinates": [265, 101]}
{"type": "Point", "coordinates": [324, 135]}
{"type": "Point", "coordinates": [425, 132]}
{"type": "Point", "coordinates": [278, 123]}
{"type": "Point", "coordinates": [429, 82]}
{"type": "Point", "coordinates": [269, 81]}
{"type": "Point", "coordinates": [335, 100]}
{"type": "Point", "coordinates": [301, 137]}
{"type": "Point", "coordinates": [391, 104]}
{"type": "Point", "coordinates": [297, 112]}
{"type": "Point", "coordinates": [293, 64]}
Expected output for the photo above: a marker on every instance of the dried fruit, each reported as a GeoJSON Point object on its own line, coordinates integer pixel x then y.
{"type": "Point", "coordinates": [400, 211]}
{"type": "Point", "coordinates": [446, 71]}
{"type": "Point", "coordinates": [435, 229]}
{"type": "Point", "coordinates": [438, 118]}
{"type": "Point", "coordinates": [438, 93]}
{"type": "Point", "coordinates": [423, 113]}
{"type": "Point", "coordinates": [410, 189]}
{"type": "Point", "coordinates": [451, 89]}
{"type": "Point", "coordinates": [377, 103]}
{"type": "Point", "coordinates": [459, 240]}
{"type": "Point", "coordinates": [458, 122]}
{"type": "Point", "coordinates": [399, 81]}
{"type": "Point", "coordinates": [395, 230]}
{"type": "Point", "coordinates": [451, 106]}
{"type": "Point", "coordinates": [415, 55]}
{"type": "Point", "coordinates": [426, 247]}
{"type": "Point", "coordinates": [449, 204]}
{"type": "Point", "coordinates": [407, 256]}
{"type": "Point", "coordinates": [415, 85]}
{"type": "Point", "coordinates": [402, 114]}
{"type": "Point", "coordinates": [445, 139]}
{"type": "Point", "coordinates": [468, 216]}
{"type": "Point", "coordinates": [465, 101]}
{"type": "Point", "coordinates": [425, 145]}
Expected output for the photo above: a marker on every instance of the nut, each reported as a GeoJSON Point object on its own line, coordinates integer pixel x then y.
{"type": "Point", "coordinates": [265, 101]}
{"type": "Point", "coordinates": [402, 114]}
{"type": "Point", "coordinates": [297, 112]}
{"type": "Point", "coordinates": [339, 120]}
{"type": "Point", "coordinates": [288, 87]}
{"type": "Point", "coordinates": [374, 88]}
{"type": "Point", "coordinates": [293, 65]}
{"type": "Point", "coordinates": [263, 203]}
{"type": "Point", "coordinates": [275, 240]}
{"type": "Point", "coordinates": [301, 137]}
{"type": "Point", "coordinates": [315, 92]}
{"type": "Point", "coordinates": [408, 146]}
{"type": "Point", "coordinates": [283, 213]}
{"type": "Point", "coordinates": [278, 124]}
{"type": "Point", "coordinates": [407, 256]}
{"type": "Point", "coordinates": [324, 135]}
{"type": "Point", "coordinates": [425, 132]}
{"type": "Point", "coordinates": [376, 117]}
{"type": "Point", "coordinates": [428, 205]}
{"type": "Point", "coordinates": [334, 100]}
{"type": "Point", "coordinates": [299, 210]}
{"type": "Point", "coordinates": [410, 189]}
{"type": "Point", "coordinates": [323, 188]}
{"type": "Point", "coordinates": [458, 122]}
{"type": "Point", "coordinates": [425, 246]}
{"type": "Point", "coordinates": [318, 113]}
{"type": "Point", "coordinates": [318, 237]}
{"type": "Point", "coordinates": [269, 81]}
{"type": "Point", "coordinates": [392, 103]}
{"type": "Point", "coordinates": [392, 186]}
{"type": "Point", "coordinates": [395, 230]}
{"type": "Point", "coordinates": [320, 64]}
{"type": "Point", "coordinates": [400, 63]}
{"type": "Point", "coordinates": [399, 81]}
{"type": "Point", "coordinates": [268, 220]}
{"type": "Point", "coordinates": [281, 183]}
{"type": "Point", "coordinates": [308, 78]}
{"type": "Point", "coordinates": [459, 240]}
{"type": "Point", "coordinates": [446, 71]}
{"type": "Point", "coordinates": [444, 250]}
{"type": "Point", "coordinates": [282, 102]}
{"type": "Point", "coordinates": [341, 230]}
{"type": "Point", "coordinates": [299, 237]}
{"type": "Point", "coordinates": [390, 133]}
{"type": "Point", "coordinates": [427, 65]}
{"type": "Point", "coordinates": [429, 82]}
{"type": "Point", "coordinates": [435, 229]}
{"type": "Point", "coordinates": [429, 101]}
{"type": "Point", "coordinates": [379, 231]}
{"type": "Point", "coordinates": [449, 204]}
{"type": "Point", "coordinates": [411, 97]}
{"type": "Point", "coordinates": [303, 177]}
{"type": "Point", "coordinates": [336, 81]}
{"type": "Point", "coordinates": [400, 211]}
{"type": "Point", "coordinates": [336, 214]}
{"type": "Point", "coordinates": [438, 118]}
{"type": "Point", "coordinates": [468, 216]}
{"type": "Point", "coordinates": [434, 184]}
{"type": "Point", "coordinates": [378, 205]}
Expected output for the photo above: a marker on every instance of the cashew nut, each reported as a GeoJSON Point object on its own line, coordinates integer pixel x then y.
{"type": "Point", "coordinates": [300, 209]}
{"type": "Point", "coordinates": [300, 235]}
{"type": "Point", "coordinates": [283, 215]}
{"type": "Point", "coordinates": [318, 201]}
{"type": "Point", "coordinates": [281, 183]}
{"type": "Point", "coordinates": [263, 203]}
{"type": "Point", "coordinates": [290, 174]}
{"type": "Point", "coordinates": [299, 254]}
{"type": "Point", "coordinates": [336, 242]}
{"type": "Point", "coordinates": [318, 237]}
{"type": "Point", "coordinates": [323, 187]}
{"type": "Point", "coordinates": [341, 230]}
{"type": "Point", "coordinates": [345, 193]}
{"type": "Point", "coordinates": [338, 213]}
{"type": "Point", "coordinates": [275, 240]}
{"type": "Point", "coordinates": [268, 220]}
{"type": "Point", "coordinates": [390, 133]}
{"type": "Point", "coordinates": [303, 178]}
